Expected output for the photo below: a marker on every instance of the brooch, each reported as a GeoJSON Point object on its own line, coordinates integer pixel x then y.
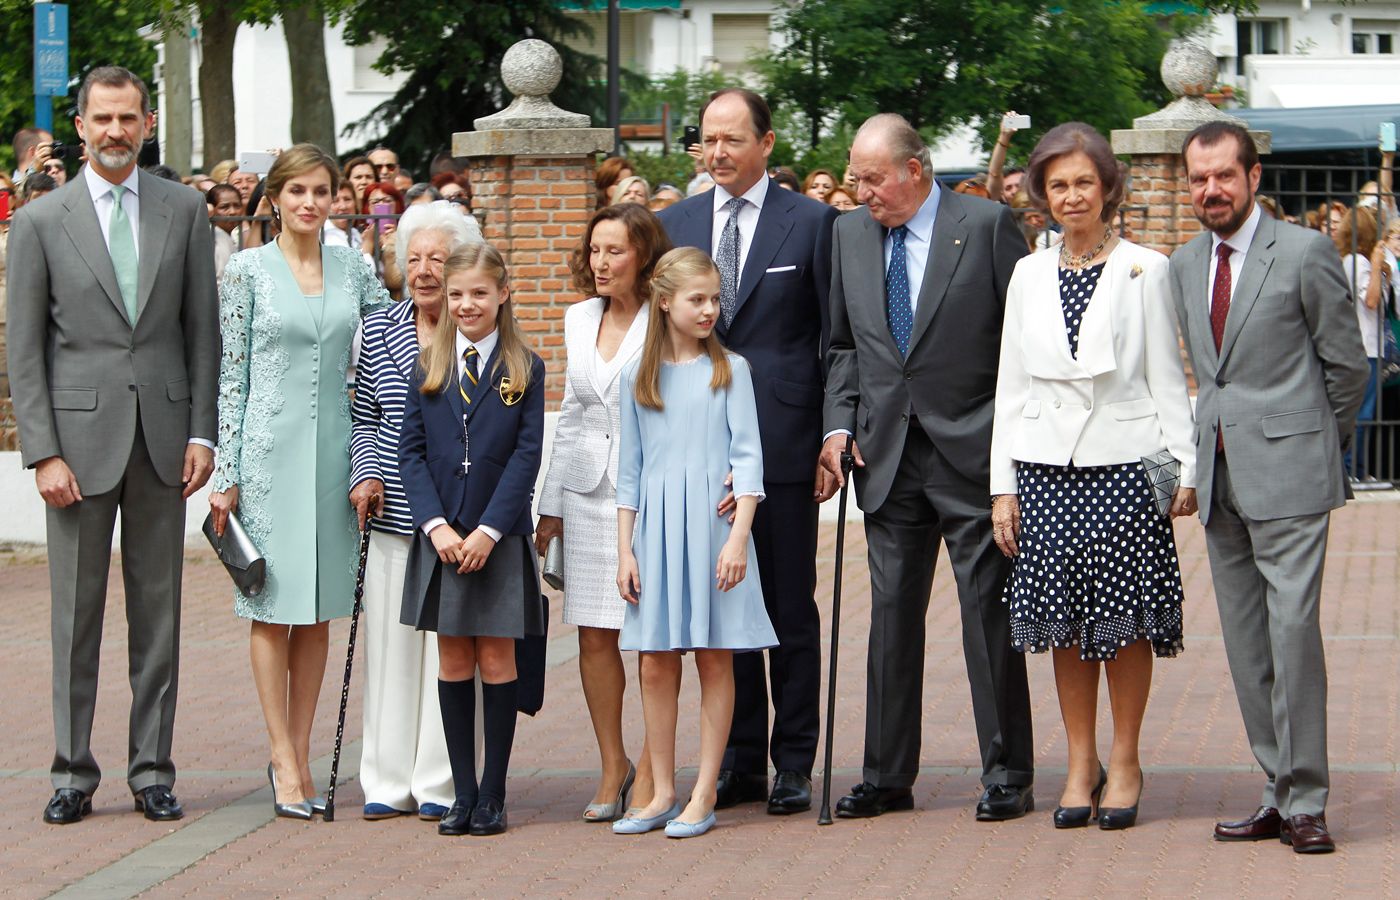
{"type": "Point", "coordinates": [508, 396]}
{"type": "Point", "coordinates": [1135, 271]}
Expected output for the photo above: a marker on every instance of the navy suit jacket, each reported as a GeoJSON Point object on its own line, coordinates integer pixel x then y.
{"type": "Point", "coordinates": [781, 321]}
{"type": "Point", "coordinates": [506, 444]}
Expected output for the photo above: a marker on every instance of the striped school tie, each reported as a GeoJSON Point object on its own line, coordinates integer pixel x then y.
{"type": "Point", "coordinates": [469, 376]}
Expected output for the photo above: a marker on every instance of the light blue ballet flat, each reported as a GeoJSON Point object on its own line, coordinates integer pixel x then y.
{"type": "Point", "coordinates": [642, 826]}
{"type": "Point", "coordinates": [678, 829]}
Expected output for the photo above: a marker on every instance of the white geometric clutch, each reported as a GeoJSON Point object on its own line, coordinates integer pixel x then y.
{"type": "Point", "coordinates": [1164, 477]}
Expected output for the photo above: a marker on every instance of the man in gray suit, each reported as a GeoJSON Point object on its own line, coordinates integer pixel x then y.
{"type": "Point", "coordinates": [1272, 333]}
{"type": "Point", "coordinates": [919, 279]}
{"type": "Point", "coordinates": [114, 355]}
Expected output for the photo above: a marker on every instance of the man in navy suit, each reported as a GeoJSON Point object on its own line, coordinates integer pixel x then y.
{"type": "Point", "coordinates": [773, 248]}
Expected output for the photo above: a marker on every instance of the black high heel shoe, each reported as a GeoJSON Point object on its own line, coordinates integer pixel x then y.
{"type": "Point", "coordinates": [1118, 818]}
{"type": "Point", "coordinates": [1079, 816]}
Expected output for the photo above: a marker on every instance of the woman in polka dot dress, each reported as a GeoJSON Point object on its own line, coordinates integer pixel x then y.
{"type": "Point", "coordinates": [1091, 381]}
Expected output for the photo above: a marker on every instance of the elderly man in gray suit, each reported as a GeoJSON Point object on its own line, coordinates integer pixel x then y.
{"type": "Point", "coordinates": [919, 280]}
{"type": "Point", "coordinates": [114, 354]}
{"type": "Point", "coordinates": [1277, 353]}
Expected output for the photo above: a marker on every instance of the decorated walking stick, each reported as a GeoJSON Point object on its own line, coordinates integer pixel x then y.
{"type": "Point", "coordinates": [848, 462]}
{"type": "Point", "coordinates": [349, 663]}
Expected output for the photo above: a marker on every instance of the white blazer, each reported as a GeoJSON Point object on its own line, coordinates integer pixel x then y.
{"type": "Point", "coordinates": [1125, 395]}
{"type": "Point", "coordinates": [586, 435]}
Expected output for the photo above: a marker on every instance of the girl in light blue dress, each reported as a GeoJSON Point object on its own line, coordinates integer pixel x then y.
{"type": "Point", "coordinates": [688, 422]}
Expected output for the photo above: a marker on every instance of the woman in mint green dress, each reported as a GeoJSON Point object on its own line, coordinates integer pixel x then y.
{"type": "Point", "coordinates": [288, 312]}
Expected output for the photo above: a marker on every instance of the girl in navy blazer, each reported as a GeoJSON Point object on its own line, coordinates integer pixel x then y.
{"type": "Point", "coordinates": [469, 452]}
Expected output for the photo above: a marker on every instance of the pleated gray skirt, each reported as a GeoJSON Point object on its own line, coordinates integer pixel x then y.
{"type": "Point", "coordinates": [502, 599]}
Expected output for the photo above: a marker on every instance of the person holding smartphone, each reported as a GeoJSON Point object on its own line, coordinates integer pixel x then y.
{"type": "Point", "coordinates": [385, 202]}
{"type": "Point", "coordinates": [1003, 183]}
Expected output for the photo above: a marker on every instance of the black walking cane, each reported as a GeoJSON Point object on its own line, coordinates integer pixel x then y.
{"type": "Point", "coordinates": [848, 462]}
{"type": "Point", "coordinates": [349, 663]}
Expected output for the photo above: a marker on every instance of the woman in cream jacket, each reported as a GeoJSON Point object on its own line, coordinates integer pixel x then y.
{"type": "Point", "coordinates": [1090, 382]}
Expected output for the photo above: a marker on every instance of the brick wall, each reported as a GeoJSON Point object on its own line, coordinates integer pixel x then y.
{"type": "Point", "coordinates": [1161, 217]}
{"type": "Point", "coordinates": [536, 210]}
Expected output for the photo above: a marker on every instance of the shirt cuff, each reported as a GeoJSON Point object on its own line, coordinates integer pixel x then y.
{"type": "Point", "coordinates": [490, 532]}
{"type": "Point", "coordinates": [202, 442]}
{"type": "Point", "coordinates": [432, 523]}
{"type": "Point", "coordinates": [826, 437]}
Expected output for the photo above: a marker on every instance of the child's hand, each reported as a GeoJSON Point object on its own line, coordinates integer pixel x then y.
{"type": "Point", "coordinates": [733, 564]}
{"type": "Point", "coordinates": [629, 579]}
{"type": "Point", "coordinates": [447, 544]}
{"type": "Point", "coordinates": [474, 550]}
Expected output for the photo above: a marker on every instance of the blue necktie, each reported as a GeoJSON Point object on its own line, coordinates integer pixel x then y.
{"type": "Point", "coordinates": [727, 261]}
{"type": "Point", "coordinates": [467, 383]}
{"type": "Point", "coordinates": [901, 312]}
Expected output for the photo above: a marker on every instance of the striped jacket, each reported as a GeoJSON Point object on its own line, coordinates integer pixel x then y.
{"type": "Point", "coordinates": [388, 356]}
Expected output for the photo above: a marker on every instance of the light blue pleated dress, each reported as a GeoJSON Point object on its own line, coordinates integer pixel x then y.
{"type": "Point", "coordinates": [672, 466]}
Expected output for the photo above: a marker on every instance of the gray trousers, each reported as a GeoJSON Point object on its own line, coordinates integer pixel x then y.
{"type": "Point", "coordinates": [80, 553]}
{"type": "Point", "coordinates": [929, 501]}
{"type": "Point", "coordinates": [1268, 584]}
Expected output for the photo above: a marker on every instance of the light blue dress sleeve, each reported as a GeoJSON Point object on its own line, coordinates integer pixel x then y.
{"type": "Point", "coordinates": [235, 327]}
{"type": "Point", "coordinates": [629, 453]}
{"type": "Point", "coordinates": [745, 447]}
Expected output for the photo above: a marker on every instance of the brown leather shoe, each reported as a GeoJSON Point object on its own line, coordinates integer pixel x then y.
{"type": "Point", "coordinates": [1307, 834]}
{"type": "Point", "coordinates": [1264, 824]}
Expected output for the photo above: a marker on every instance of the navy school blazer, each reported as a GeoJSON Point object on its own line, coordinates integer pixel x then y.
{"type": "Point", "coordinates": [506, 443]}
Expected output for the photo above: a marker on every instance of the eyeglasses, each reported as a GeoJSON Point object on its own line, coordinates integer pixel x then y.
{"type": "Point", "coordinates": [460, 200]}
{"type": "Point", "coordinates": [387, 167]}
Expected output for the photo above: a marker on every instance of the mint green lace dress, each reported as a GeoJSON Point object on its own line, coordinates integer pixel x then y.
{"type": "Point", "coordinates": [284, 426]}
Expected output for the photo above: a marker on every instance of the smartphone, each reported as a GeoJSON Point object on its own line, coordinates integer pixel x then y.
{"type": "Point", "coordinates": [382, 209]}
{"type": "Point", "coordinates": [257, 163]}
{"type": "Point", "coordinates": [1387, 137]}
{"type": "Point", "coordinates": [1016, 123]}
{"type": "Point", "coordinates": [690, 136]}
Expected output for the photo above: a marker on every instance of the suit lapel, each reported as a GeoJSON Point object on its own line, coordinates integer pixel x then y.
{"type": "Point", "coordinates": [86, 234]}
{"type": "Point", "coordinates": [402, 317]}
{"type": "Point", "coordinates": [1196, 268]}
{"type": "Point", "coordinates": [1252, 274]}
{"type": "Point", "coordinates": [945, 249]}
{"type": "Point", "coordinates": [870, 245]}
{"type": "Point", "coordinates": [155, 229]}
{"type": "Point", "coordinates": [774, 223]}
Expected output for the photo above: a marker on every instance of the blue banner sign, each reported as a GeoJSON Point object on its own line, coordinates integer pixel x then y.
{"type": "Point", "coordinates": [50, 49]}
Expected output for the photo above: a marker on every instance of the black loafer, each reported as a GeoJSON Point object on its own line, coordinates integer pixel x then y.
{"type": "Point", "coordinates": [488, 818]}
{"type": "Point", "coordinates": [867, 801]}
{"type": "Point", "coordinates": [792, 793]}
{"type": "Point", "coordinates": [734, 788]}
{"type": "Point", "coordinates": [158, 804]}
{"type": "Point", "coordinates": [67, 806]}
{"type": "Point", "coordinates": [1005, 801]}
{"type": "Point", "coordinates": [456, 820]}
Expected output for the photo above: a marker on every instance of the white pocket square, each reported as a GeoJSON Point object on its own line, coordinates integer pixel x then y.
{"type": "Point", "coordinates": [777, 269]}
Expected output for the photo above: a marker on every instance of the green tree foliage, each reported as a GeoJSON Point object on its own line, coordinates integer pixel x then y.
{"type": "Point", "coordinates": [451, 54]}
{"type": "Point", "coordinates": [100, 33]}
{"type": "Point", "coordinates": [944, 63]}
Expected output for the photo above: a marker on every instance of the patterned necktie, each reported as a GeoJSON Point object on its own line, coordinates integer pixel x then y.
{"type": "Point", "coordinates": [727, 259]}
{"type": "Point", "coordinates": [897, 291]}
{"type": "Point", "coordinates": [122, 247]}
{"type": "Point", "coordinates": [1220, 294]}
{"type": "Point", "coordinates": [469, 374]}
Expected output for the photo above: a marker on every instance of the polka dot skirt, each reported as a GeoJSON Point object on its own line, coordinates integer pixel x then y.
{"type": "Point", "coordinates": [1097, 566]}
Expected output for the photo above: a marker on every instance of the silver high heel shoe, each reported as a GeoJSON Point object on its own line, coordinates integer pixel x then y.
{"type": "Point", "coordinates": [611, 812]}
{"type": "Point", "coordinates": [299, 810]}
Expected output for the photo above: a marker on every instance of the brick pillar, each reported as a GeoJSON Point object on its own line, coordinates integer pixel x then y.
{"type": "Point", "coordinates": [531, 168]}
{"type": "Point", "coordinates": [1161, 217]}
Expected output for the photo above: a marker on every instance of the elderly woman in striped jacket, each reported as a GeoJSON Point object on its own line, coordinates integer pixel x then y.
{"type": "Point", "coordinates": [404, 767]}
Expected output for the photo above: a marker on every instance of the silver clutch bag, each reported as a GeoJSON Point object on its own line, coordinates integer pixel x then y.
{"type": "Point", "coordinates": [238, 553]}
{"type": "Point", "coordinates": [1164, 477]}
{"type": "Point", "coordinates": [554, 563]}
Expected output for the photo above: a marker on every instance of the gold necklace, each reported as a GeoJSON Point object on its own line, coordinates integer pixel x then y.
{"type": "Point", "coordinates": [1069, 261]}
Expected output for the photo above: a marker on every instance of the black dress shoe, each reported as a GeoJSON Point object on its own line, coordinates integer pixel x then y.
{"type": "Point", "coordinates": [68, 805]}
{"type": "Point", "coordinates": [457, 820]}
{"type": "Point", "coordinates": [866, 801]}
{"type": "Point", "coordinates": [158, 804]}
{"type": "Point", "coordinates": [1005, 801]}
{"type": "Point", "coordinates": [1079, 816]}
{"type": "Point", "coordinates": [734, 788]}
{"type": "Point", "coordinates": [489, 817]}
{"type": "Point", "coordinates": [792, 793]}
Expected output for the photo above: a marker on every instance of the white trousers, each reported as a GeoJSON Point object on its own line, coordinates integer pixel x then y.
{"type": "Point", "coordinates": [404, 764]}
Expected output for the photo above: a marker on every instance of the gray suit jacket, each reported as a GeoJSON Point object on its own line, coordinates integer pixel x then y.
{"type": "Point", "coordinates": [79, 371]}
{"type": "Point", "coordinates": [949, 379]}
{"type": "Point", "coordinates": [1289, 377]}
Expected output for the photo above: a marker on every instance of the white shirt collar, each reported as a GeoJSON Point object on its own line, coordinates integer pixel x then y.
{"type": "Point", "coordinates": [101, 187]}
{"type": "Point", "coordinates": [484, 347]}
{"type": "Point", "coordinates": [754, 195]}
{"type": "Point", "coordinates": [1239, 241]}
{"type": "Point", "coordinates": [921, 223]}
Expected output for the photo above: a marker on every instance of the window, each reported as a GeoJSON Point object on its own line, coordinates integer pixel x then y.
{"type": "Point", "coordinates": [738, 37]}
{"type": "Point", "coordinates": [1257, 36]}
{"type": "Point", "coordinates": [1373, 36]}
{"type": "Point", "coordinates": [367, 78]}
{"type": "Point", "coordinates": [594, 41]}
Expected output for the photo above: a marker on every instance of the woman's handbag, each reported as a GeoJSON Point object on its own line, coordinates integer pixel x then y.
{"type": "Point", "coordinates": [554, 563]}
{"type": "Point", "coordinates": [1164, 477]}
{"type": "Point", "coordinates": [239, 555]}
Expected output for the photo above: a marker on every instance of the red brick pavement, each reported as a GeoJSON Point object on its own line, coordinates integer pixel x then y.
{"type": "Point", "coordinates": [1199, 769]}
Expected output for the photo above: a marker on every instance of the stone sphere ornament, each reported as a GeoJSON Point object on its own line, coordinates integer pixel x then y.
{"type": "Point", "coordinates": [1189, 70]}
{"type": "Point", "coordinates": [531, 68]}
